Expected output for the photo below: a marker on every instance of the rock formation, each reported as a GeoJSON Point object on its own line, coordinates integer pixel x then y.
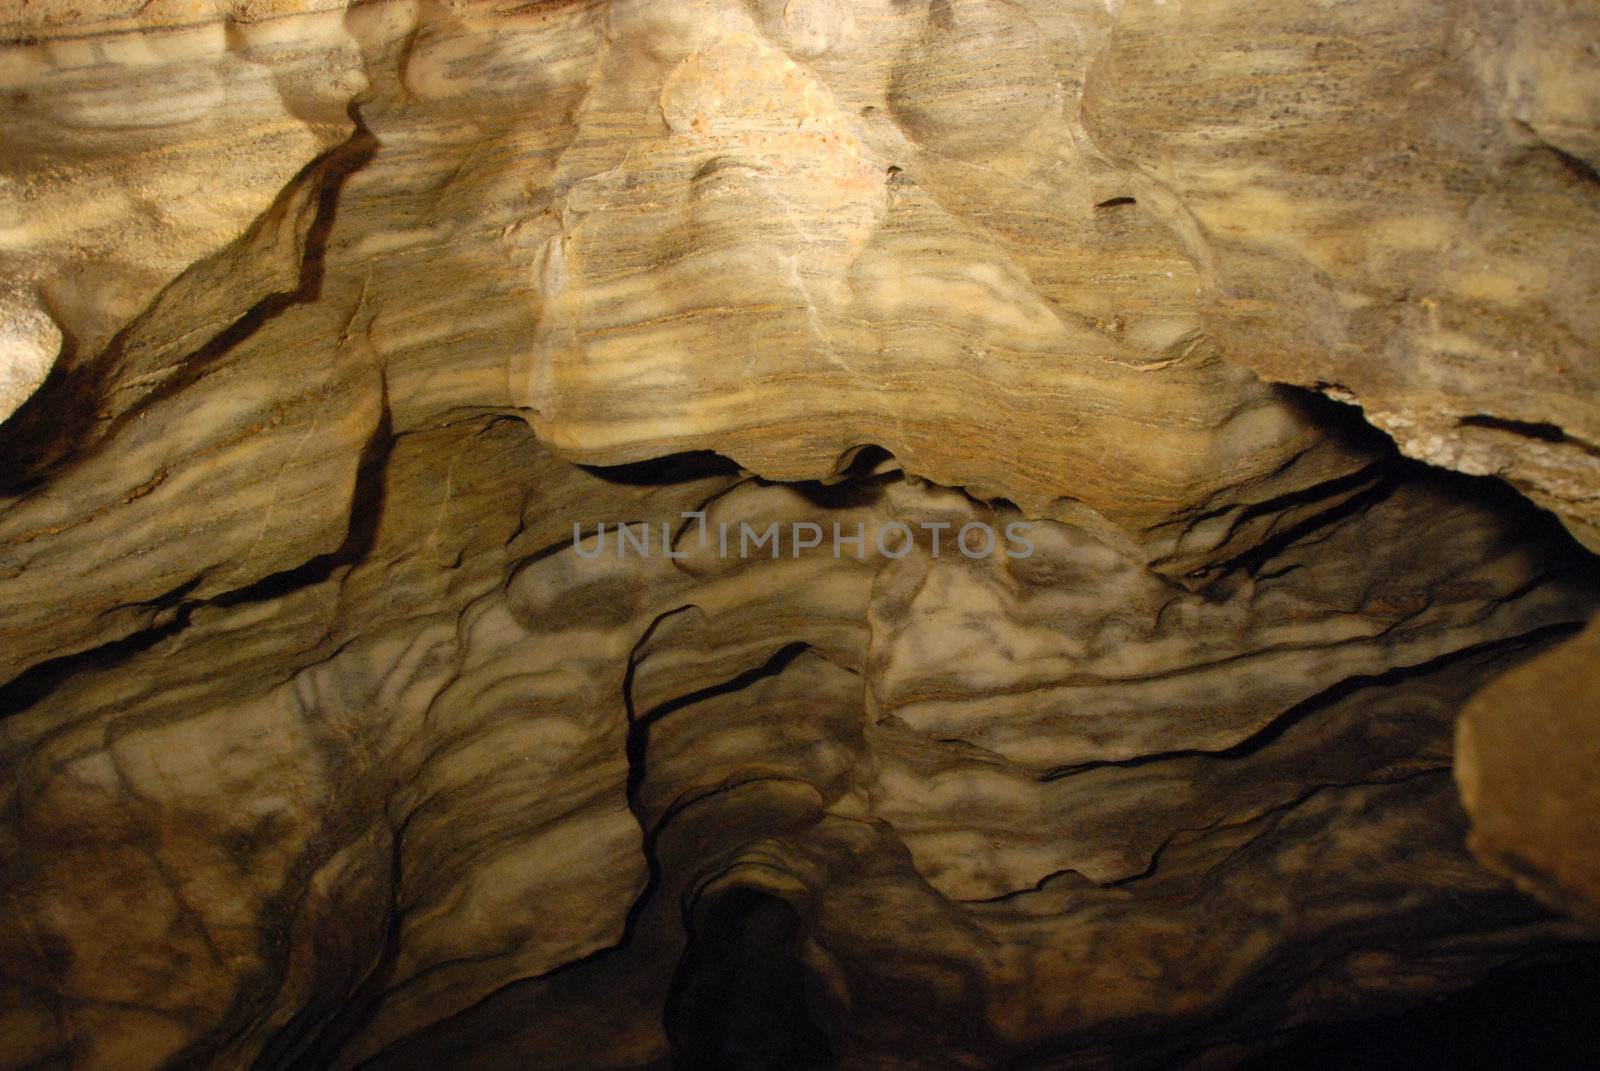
{"type": "Point", "coordinates": [789, 533]}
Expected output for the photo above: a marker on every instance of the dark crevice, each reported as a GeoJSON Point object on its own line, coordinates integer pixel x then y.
{"type": "Point", "coordinates": [54, 426]}
{"type": "Point", "coordinates": [1576, 167]}
{"type": "Point", "coordinates": [1340, 423]}
{"type": "Point", "coordinates": [738, 998]}
{"type": "Point", "coordinates": [1390, 474]}
{"type": "Point", "coordinates": [677, 468]}
{"type": "Point", "coordinates": [1368, 488]}
{"type": "Point", "coordinates": [1549, 433]}
{"type": "Point", "coordinates": [367, 502]}
{"type": "Point", "coordinates": [638, 743]}
{"type": "Point", "coordinates": [43, 678]}
{"type": "Point", "coordinates": [1528, 429]}
{"type": "Point", "coordinates": [58, 422]}
{"type": "Point", "coordinates": [1267, 819]}
{"type": "Point", "coordinates": [1275, 729]}
{"type": "Point", "coordinates": [773, 666]}
{"type": "Point", "coordinates": [635, 748]}
{"type": "Point", "coordinates": [366, 509]}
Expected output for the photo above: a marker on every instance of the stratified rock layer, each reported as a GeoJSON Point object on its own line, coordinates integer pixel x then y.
{"type": "Point", "coordinates": [1392, 203]}
{"type": "Point", "coordinates": [336, 734]}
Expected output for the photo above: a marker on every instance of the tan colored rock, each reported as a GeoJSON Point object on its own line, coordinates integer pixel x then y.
{"type": "Point", "coordinates": [139, 140]}
{"type": "Point", "coordinates": [1395, 204]}
{"type": "Point", "coordinates": [1528, 765]}
{"type": "Point", "coordinates": [333, 733]}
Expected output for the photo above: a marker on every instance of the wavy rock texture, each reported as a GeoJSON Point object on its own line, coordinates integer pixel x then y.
{"type": "Point", "coordinates": [1394, 204]}
{"type": "Point", "coordinates": [336, 734]}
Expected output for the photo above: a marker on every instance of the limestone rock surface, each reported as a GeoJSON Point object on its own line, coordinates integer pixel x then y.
{"type": "Point", "coordinates": [1394, 204]}
{"type": "Point", "coordinates": [1530, 775]}
{"type": "Point", "coordinates": [428, 431]}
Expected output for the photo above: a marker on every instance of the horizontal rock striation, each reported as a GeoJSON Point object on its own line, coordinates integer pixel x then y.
{"type": "Point", "coordinates": [615, 533]}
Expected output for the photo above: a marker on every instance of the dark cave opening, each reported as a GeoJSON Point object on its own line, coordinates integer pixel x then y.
{"type": "Point", "coordinates": [738, 999]}
{"type": "Point", "coordinates": [1539, 1013]}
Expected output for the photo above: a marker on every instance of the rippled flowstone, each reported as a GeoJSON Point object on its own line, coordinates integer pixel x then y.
{"type": "Point", "coordinates": [787, 534]}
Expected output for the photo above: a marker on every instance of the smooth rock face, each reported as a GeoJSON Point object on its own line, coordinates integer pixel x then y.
{"type": "Point", "coordinates": [435, 436]}
{"type": "Point", "coordinates": [1528, 760]}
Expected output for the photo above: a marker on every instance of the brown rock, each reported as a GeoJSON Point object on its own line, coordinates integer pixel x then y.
{"type": "Point", "coordinates": [1528, 765]}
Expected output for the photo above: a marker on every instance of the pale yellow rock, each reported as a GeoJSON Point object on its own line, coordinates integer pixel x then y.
{"type": "Point", "coordinates": [130, 156]}
{"type": "Point", "coordinates": [334, 733]}
{"type": "Point", "coordinates": [1392, 203]}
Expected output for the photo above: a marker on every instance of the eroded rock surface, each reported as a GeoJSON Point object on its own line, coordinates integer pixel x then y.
{"type": "Point", "coordinates": [1392, 203]}
{"type": "Point", "coordinates": [336, 734]}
